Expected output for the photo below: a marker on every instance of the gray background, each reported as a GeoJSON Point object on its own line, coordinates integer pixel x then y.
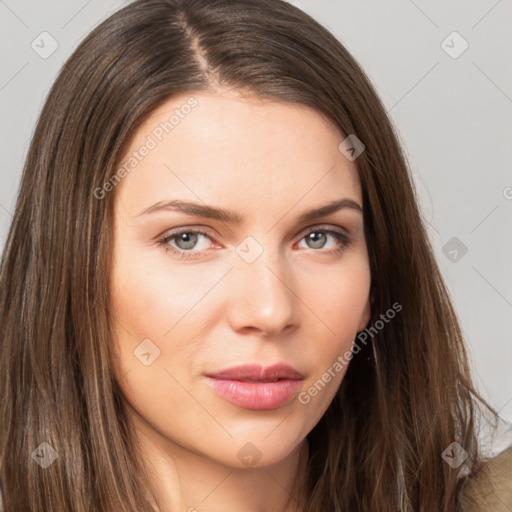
{"type": "Point", "coordinates": [453, 113]}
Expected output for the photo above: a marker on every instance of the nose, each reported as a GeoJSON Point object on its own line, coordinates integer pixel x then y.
{"type": "Point", "coordinates": [263, 299]}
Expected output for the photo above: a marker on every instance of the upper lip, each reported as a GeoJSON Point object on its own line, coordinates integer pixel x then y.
{"type": "Point", "coordinates": [258, 372]}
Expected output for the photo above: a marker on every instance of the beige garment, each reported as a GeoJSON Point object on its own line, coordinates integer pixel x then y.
{"type": "Point", "coordinates": [490, 490]}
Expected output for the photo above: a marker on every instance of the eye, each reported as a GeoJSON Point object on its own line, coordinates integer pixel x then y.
{"type": "Point", "coordinates": [186, 243]}
{"type": "Point", "coordinates": [317, 238]}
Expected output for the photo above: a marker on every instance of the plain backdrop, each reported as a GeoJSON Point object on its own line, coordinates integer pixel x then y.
{"type": "Point", "coordinates": [442, 69]}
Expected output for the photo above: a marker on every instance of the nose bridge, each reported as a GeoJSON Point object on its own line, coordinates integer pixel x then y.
{"type": "Point", "coordinates": [263, 298]}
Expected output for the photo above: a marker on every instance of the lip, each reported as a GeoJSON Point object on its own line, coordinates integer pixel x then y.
{"type": "Point", "coordinates": [256, 387]}
{"type": "Point", "coordinates": [258, 372]}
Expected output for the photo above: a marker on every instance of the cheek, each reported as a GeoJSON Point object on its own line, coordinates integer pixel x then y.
{"type": "Point", "coordinates": [169, 306]}
{"type": "Point", "coordinates": [340, 303]}
{"type": "Point", "coordinates": [153, 297]}
{"type": "Point", "coordinates": [339, 296]}
{"type": "Point", "coordinates": [155, 315]}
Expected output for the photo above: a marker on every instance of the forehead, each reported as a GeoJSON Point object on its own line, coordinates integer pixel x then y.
{"type": "Point", "coordinates": [222, 146]}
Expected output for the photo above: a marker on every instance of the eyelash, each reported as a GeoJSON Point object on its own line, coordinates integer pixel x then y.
{"type": "Point", "coordinates": [337, 233]}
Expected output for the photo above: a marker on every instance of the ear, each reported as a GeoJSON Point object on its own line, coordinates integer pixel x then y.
{"type": "Point", "coordinates": [365, 316]}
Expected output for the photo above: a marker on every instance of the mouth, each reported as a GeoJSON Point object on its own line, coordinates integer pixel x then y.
{"type": "Point", "coordinates": [256, 387]}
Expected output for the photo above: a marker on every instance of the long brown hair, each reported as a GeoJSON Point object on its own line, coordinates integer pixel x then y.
{"type": "Point", "coordinates": [407, 394]}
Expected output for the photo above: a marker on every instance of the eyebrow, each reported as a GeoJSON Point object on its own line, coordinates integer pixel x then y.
{"type": "Point", "coordinates": [210, 212]}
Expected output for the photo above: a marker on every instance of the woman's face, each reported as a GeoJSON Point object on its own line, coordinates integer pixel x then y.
{"type": "Point", "coordinates": [218, 264]}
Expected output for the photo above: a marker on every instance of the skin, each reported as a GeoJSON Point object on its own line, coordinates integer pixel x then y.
{"type": "Point", "coordinates": [295, 303]}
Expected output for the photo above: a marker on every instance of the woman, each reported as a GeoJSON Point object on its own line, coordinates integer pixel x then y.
{"type": "Point", "coordinates": [217, 290]}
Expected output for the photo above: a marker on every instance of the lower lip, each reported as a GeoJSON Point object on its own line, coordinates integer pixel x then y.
{"type": "Point", "coordinates": [256, 395]}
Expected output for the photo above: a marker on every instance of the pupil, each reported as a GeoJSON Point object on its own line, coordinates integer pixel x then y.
{"type": "Point", "coordinates": [188, 239]}
{"type": "Point", "coordinates": [318, 239]}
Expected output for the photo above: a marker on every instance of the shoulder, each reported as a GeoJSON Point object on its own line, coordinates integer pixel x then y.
{"type": "Point", "coordinates": [490, 488]}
